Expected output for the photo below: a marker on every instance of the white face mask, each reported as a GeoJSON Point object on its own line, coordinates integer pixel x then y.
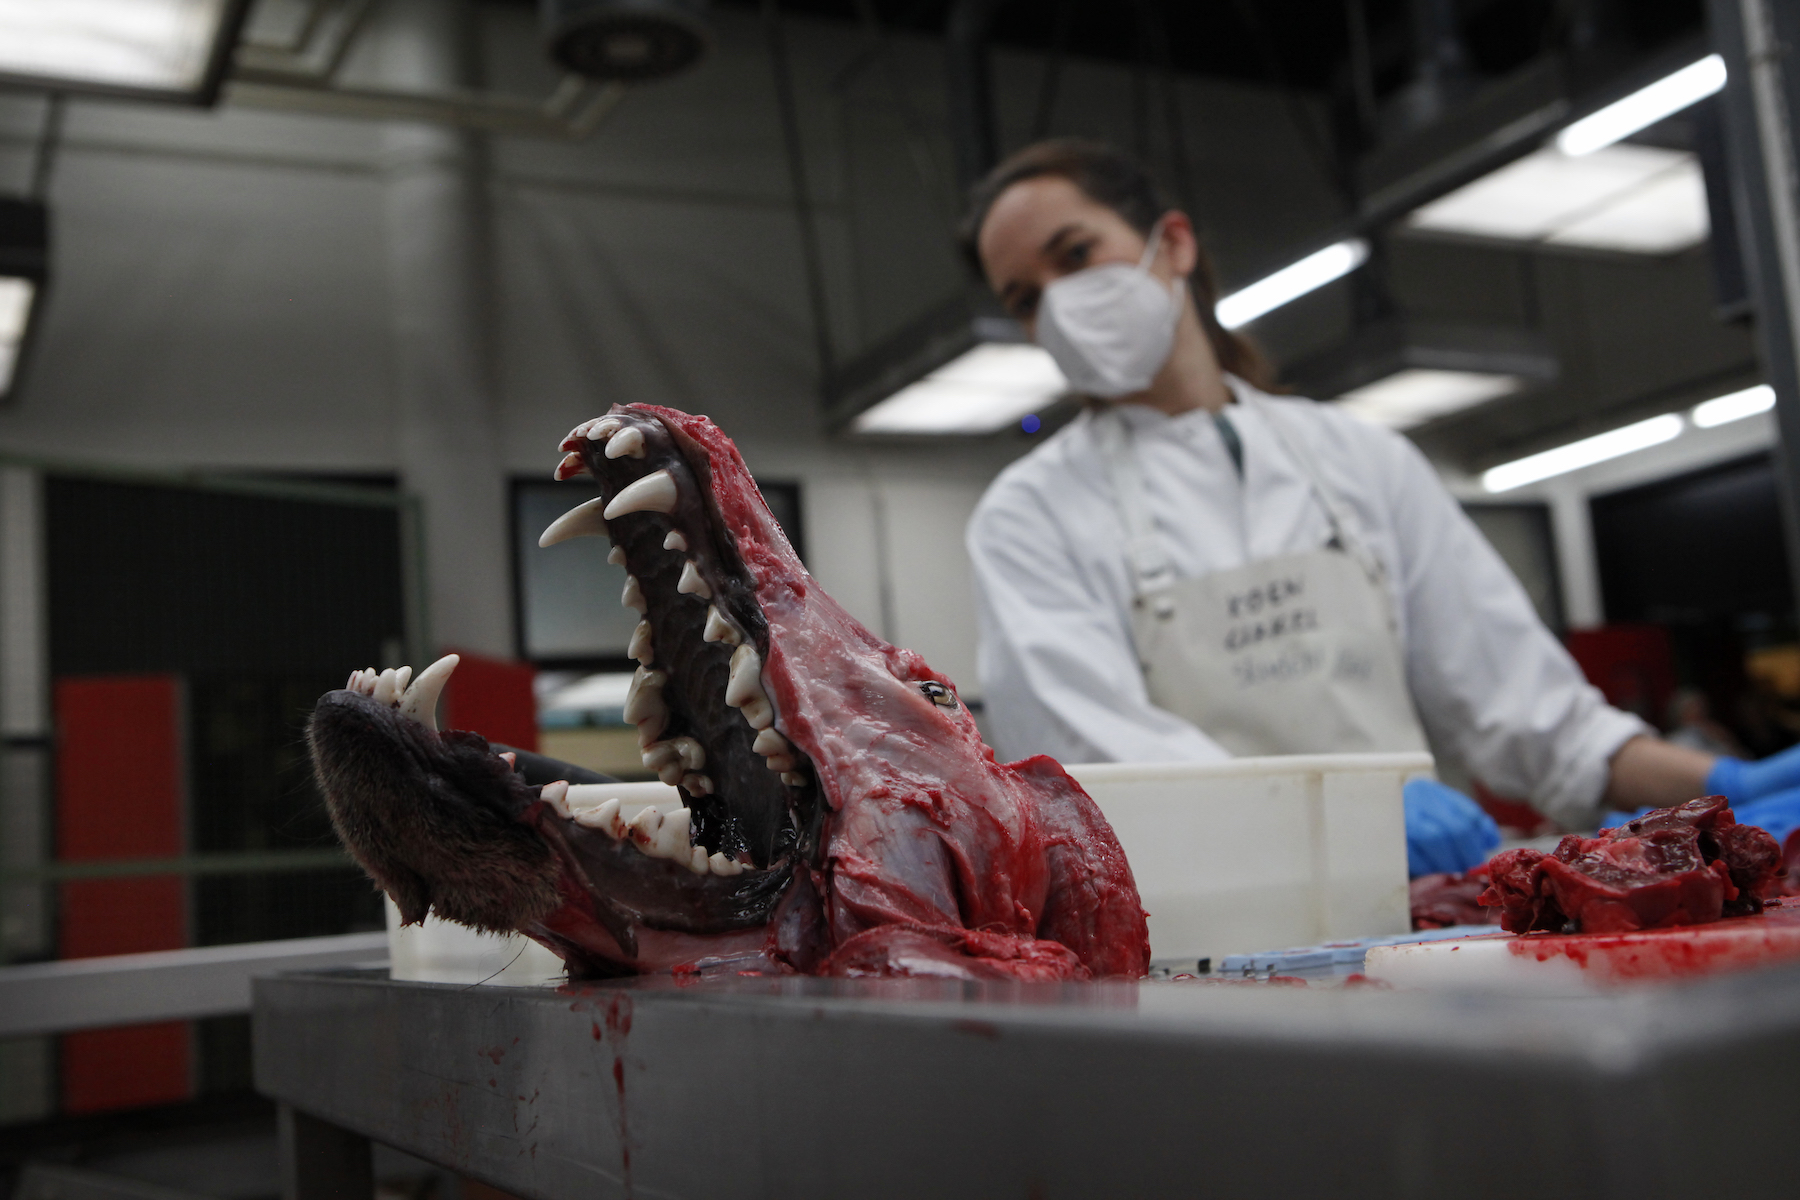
{"type": "Point", "coordinates": [1111, 327]}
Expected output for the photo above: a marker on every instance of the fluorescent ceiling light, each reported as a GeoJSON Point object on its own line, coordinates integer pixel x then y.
{"type": "Point", "coordinates": [1417, 395]}
{"type": "Point", "coordinates": [165, 47]}
{"type": "Point", "coordinates": [1584, 453]}
{"type": "Point", "coordinates": [1643, 199]}
{"type": "Point", "coordinates": [1734, 407]}
{"type": "Point", "coordinates": [16, 296]}
{"type": "Point", "coordinates": [1644, 107]}
{"type": "Point", "coordinates": [1291, 282]}
{"type": "Point", "coordinates": [985, 389]}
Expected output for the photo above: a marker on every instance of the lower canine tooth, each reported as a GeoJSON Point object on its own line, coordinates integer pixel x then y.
{"type": "Point", "coordinates": [420, 700]}
{"type": "Point", "coordinates": [690, 583]}
{"type": "Point", "coordinates": [640, 643]}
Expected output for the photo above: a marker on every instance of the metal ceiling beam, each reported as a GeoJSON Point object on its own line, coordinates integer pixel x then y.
{"type": "Point", "coordinates": [1761, 98]}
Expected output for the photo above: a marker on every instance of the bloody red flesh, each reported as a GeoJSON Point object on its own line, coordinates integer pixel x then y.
{"type": "Point", "coordinates": [1686, 865]}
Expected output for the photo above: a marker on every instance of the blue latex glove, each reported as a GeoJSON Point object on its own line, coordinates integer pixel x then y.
{"type": "Point", "coordinates": [1741, 782]}
{"type": "Point", "coordinates": [1445, 830]}
{"type": "Point", "coordinates": [1778, 813]}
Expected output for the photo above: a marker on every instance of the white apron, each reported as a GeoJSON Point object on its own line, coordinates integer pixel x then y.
{"type": "Point", "coordinates": [1291, 655]}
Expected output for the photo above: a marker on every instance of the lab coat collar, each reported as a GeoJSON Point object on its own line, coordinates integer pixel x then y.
{"type": "Point", "coordinates": [1141, 418]}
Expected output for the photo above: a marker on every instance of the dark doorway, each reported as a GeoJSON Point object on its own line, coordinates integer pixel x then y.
{"type": "Point", "coordinates": [1704, 556]}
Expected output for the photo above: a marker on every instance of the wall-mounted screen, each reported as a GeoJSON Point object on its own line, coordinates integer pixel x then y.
{"type": "Point", "coordinates": [569, 613]}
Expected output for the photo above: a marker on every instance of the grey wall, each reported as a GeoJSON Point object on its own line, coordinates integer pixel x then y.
{"type": "Point", "coordinates": [230, 287]}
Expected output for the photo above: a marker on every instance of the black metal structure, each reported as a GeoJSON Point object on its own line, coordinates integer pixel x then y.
{"type": "Point", "coordinates": [1758, 40]}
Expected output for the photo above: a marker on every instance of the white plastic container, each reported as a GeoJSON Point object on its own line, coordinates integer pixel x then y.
{"type": "Point", "coordinates": [1261, 853]}
{"type": "Point", "coordinates": [439, 951]}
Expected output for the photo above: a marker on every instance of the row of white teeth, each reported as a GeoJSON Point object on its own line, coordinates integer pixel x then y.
{"type": "Point", "coordinates": [415, 698]}
{"type": "Point", "coordinates": [678, 760]}
{"type": "Point", "coordinates": [653, 832]}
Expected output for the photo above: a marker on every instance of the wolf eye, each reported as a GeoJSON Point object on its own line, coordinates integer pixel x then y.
{"type": "Point", "coordinates": [938, 694]}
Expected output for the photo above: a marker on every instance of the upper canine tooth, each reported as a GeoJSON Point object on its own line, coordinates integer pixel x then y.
{"type": "Point", "coordinates": [640, 643]}
{"type": "Point", "coordinates": [652, 493]}
{"type": "Point", "coordinates": [420, 700]}
{"type": "Point", "coordinates": [584, 520]}
{"type": "Point", "coordinates": [633, 596]}
{"type": "Point", "coordinates": [644, 699]}
{"type": "Point", "coordinates": [556, 795]}
{"type": "Point", "coordinates": [718, 629]}
{"type": "Point", "coordinates": [769, 742]}
{"type": "Point", "coordinates": [671, 839]}
{"type": "Point", "coordinates": [570, 466]}
{"type": "Point", "coordinates": [626, 441]}
{"type": "Point", "coordinates": [674, 541]}
{"type": "Point", "coordinates": [691, 584]}
{"type": "Point", "coordinates": [745, 683]}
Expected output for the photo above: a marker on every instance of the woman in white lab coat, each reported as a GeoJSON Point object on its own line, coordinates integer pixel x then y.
{"type": "Point", "coordinates": [1194, 569]}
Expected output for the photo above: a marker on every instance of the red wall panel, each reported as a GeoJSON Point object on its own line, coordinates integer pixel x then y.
{"type": "Point", "coordinates": [493, 697]}
{"type": "Point", "coordinates": [120, 789]}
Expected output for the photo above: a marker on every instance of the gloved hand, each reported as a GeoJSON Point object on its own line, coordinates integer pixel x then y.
{"type": "Point", "coordinates": [1445, 830]}
{"type": "Point", "coordinates": [1778, 813]}
{"type": "Point", "coordinates": [1741, 782]}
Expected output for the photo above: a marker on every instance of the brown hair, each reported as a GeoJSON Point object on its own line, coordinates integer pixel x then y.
{"type": "Point", "coordinates": [1113, 178]}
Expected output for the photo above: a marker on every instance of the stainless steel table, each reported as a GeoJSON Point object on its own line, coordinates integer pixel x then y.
{"type": "Point", "coordinates": [813, 1088]}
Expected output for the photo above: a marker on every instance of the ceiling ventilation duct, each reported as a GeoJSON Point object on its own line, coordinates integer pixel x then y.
{"type": "Point", "coordinates": [1403, 373]}
{"type": "Point", "coordinates": [625, 41]}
